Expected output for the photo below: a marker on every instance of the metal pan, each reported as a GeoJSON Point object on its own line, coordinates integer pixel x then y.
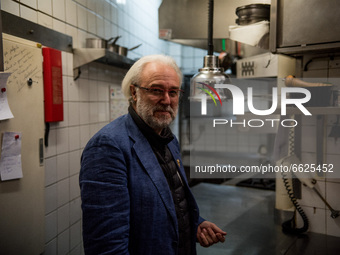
{"type": "Point", "coordinates": [113, 46]}
{"type": "Point", "coordinates": [123, 50]}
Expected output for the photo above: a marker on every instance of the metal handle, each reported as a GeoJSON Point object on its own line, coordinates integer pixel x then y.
{"type": "Point", "coordinates": [334, 213]}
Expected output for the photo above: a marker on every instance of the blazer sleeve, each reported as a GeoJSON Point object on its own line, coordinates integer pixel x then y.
{"type": "Point", "coordinates": [105, 198]}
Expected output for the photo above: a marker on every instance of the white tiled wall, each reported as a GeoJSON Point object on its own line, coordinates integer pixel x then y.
{"type": "Point", "coordinates": [86, 101]}
{"type": "Point", "coordinates": [318, 213]}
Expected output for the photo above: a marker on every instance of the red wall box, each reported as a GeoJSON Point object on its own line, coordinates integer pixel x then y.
{"type": "Point", "coordinates": [53, 85]}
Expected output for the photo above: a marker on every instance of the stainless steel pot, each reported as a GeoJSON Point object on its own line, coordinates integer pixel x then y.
{"type": "Point", "coordinates": [123, 50]}
{"type": "Point", "coordinates": [97, 43]}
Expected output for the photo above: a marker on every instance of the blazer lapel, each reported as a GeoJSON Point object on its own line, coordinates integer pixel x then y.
{"type": "Point", "coordinates": [152, 167]}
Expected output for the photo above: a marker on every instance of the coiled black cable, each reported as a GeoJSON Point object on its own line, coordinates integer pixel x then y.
{"type": "Point", "coordinates": [289, 227]}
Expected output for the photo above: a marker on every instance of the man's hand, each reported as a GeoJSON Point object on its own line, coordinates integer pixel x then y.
{"type": "Point", "coordinates": [208, 234]}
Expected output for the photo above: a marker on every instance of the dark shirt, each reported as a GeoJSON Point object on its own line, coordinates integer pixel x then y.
{"type": "Point", "coordinates": [175, 182]}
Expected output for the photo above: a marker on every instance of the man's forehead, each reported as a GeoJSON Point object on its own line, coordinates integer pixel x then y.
{"type": "Point", "coordinates": [159, 73]}
{"type": "Point", "coordinates": [157, 66]}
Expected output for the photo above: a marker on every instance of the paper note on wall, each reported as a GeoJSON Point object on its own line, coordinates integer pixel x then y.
{"type": "Point", "coordinates": [5, 111]}
{"type": "Point", "coordinates": [118, 103]}
{"type": "Point", "coordinates": [23, 63]}
{"type": "Point", "coordinates": [10, 162]}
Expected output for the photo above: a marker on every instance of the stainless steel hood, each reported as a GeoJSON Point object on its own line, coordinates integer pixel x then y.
{"type": "Point", "coordinates": [186, 21]}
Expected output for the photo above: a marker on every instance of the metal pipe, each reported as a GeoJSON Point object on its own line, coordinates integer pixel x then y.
{"type": "Point", "coordinates": [334, 213]}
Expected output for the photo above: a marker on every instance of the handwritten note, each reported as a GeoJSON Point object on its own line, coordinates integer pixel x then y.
{"type": "Point", "coordinates": [10, 162]}
{"type": "Point", "coordinates": [5, 111]}
{"type": "Point", "coordinates": [18, 61]}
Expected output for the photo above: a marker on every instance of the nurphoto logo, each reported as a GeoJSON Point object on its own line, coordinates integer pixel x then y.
{"type": "Point", "coordinates": [239, 99]}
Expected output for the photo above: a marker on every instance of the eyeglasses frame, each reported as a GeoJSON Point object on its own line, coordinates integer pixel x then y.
{"type": "Point", "coordinates": [164, 90]}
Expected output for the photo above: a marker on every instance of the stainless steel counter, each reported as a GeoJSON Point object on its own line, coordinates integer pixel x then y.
{"type": "Point", "coordinates": [247, 215]}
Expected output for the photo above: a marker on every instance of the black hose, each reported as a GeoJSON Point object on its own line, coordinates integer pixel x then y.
{"type": "Point", "coordinates": [210, 27]}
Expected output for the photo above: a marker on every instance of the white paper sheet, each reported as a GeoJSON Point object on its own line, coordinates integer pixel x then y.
{"type": "Point", "coordinates": [10, 162]}
{"type": "Point", "coordinates": [118, 103]}
{"type": "Point", "coordinates": [5, 111]}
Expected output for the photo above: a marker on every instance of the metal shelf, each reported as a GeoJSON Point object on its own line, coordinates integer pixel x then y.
{"type": "Point", "coordinates": [82, 56]}
{"type": "Point", "coordinates": [19, 27]}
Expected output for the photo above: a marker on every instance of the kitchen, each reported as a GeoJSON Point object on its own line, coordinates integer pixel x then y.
{"type": "Point", "coordinates": [90, 90]}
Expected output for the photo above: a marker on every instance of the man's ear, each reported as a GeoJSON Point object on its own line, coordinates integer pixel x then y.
{"type": "Point", "coordinates": [133, 93]}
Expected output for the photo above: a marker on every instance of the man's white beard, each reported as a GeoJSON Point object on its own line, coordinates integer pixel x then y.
{"type": "Point", "coordinates": [146, 112]}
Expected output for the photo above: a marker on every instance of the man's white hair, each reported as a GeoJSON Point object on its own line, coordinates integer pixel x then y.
{"type": "Point", "coordinates": [133, 76]}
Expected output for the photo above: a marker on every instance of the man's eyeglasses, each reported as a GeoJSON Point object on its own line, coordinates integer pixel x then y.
{"type": "Point", "coordinates": [155, 91]}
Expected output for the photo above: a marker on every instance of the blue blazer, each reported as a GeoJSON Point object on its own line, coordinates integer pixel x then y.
{"type": "Point", "coordinates": [126, 201]}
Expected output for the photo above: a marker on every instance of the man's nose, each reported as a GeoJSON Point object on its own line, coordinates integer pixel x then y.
{"type": "Point", "coordinates": [166, 99]}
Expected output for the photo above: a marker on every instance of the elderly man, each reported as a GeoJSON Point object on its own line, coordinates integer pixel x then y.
{"type": "Point", "coordinates": [135, 196]}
